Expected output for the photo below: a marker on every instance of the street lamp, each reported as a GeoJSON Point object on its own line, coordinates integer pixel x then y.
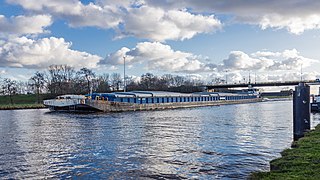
{"type": "Point", "coordinates": [124, 74]}
{"type": "Point", "coordinates": [301, 72]}
{"type": "Point", "coordinates": [226, 76]}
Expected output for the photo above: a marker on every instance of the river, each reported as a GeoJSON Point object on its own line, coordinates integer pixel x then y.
{"type": "Point", "coordinates": [218, 142]}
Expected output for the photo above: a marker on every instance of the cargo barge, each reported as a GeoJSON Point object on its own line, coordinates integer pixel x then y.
{"type": "Point", "coordinates": [145, 100]}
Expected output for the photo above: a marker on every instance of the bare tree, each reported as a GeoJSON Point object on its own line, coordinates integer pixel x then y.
{"type": "Point", "coordinates": [103, 83]}
{"type": "Point", "coordinates": [88, 75]}
{"type": "Point", "coordinates": [60, 79]}
{"type": "Point", "coordinates": [168, 79]}
{"type": "Point", "coordinates": [37, 81]}
{"type": "Point", "coordinates": [22, 87]}
{"type": "Point", "coordinates": [148, 81]}
{"type": "Point", "coordinates": [116, 81]}
{"type": "Point", "coordinates": [179, 81]}
{"type": "Point", "coordinates": [132, 84]}
{"type": "Point", "coordinates": [9, 87]}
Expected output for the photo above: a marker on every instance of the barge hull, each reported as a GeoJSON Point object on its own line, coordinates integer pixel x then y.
{"type": "Point", "coordinates": [74, 108]}
{"type": "Point", "coordinates": [106, 106]}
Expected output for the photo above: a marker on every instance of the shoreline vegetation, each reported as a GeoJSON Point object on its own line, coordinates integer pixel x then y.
{"type": "Point", "coordinates": [22, 101]}
{"type": "Point", "coordinates": [21, 106]}
{"type": "Point", "coordinates": [302, 161]}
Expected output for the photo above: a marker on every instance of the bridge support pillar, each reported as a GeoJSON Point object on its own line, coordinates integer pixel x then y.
{"type": "Point", "coordinates": [301, 110]}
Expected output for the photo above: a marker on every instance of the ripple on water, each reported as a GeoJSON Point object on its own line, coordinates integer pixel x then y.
{"type": "Point", "coordinates": [216, 142]}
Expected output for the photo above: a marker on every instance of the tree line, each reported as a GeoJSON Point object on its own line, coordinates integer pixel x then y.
{"type": "Point", "coordinates": [64, 79]}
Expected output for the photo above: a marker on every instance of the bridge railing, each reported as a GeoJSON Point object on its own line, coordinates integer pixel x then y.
{"type": "Point", "coordinates": [266, 83]}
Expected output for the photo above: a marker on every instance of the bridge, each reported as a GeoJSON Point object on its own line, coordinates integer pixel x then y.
{"type": "Point", "coordinates": [262, 84]}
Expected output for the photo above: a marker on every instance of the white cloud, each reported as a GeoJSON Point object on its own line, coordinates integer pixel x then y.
{"type": "Point", "coordinates": [286, 60]}
{"type": "Point", "coordinates": [19, 25]}
{"type": "Point", "coordinates": [178, 20]}
{"type": "Point", "coordinates": [158, 56]}
{"type": "Point", "coordinates": [28, 53]}
{"type": "Point", "coordinates": [117, 57]}
{"type": "Point", "coordinates": [292, 76]}
{"type": "Point", "coordinates": [75, 12]}
{"type": "Point", "coordinates": [160, 25]}
{"type": "Point", "coordinates": [295, 16]}
{"type": "Point", "coordinates": [238, 60]}
{"type": "Point", "coordinates": [127, 18]}
{"type": "Point", "coordinates": [294, 24]}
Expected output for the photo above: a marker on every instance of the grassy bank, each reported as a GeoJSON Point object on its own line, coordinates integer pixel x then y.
{"type": "Point", "coordinates": [21, 106]}
{"type": "Point", "coordinates": [300, 162]}
{"type": "Point", "coordinates": [21, 101]}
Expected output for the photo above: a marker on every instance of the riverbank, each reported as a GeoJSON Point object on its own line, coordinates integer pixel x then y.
{"type": "Point", "coordinates": [300, 162]}
{"type": "Point", "coordinates": [21, 101]}
{"type": "Point", "coordinates": [21, 106]}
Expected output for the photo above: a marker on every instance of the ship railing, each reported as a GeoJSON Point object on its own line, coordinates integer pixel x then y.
{"type": "Point", "coordinates": [66, 101]}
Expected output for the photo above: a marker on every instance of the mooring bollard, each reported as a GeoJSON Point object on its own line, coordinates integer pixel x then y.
{"type": "Point", "coordinates": [301, 110]}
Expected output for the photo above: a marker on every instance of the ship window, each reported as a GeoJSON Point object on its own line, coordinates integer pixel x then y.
{"type": "Point", "coordinates": [121, 99]}
{"type": "Point", "coordinates": [135, 100]}
{"type": "Point", "coordinates": [162, 100]}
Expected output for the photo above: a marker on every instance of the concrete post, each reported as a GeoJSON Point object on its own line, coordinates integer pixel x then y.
{"type": "Point", "coordinates": [301, 110]}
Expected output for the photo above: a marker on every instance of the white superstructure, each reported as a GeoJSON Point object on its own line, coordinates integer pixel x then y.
{"type": "Point", "coordinates": [65, 101]}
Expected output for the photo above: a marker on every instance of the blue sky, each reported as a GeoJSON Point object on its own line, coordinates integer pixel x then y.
{"type": "Point", "coordinates": [199, 39]}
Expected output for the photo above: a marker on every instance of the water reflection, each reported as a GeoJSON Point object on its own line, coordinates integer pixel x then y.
{"type": "Point", "coordinates": [210, 142]}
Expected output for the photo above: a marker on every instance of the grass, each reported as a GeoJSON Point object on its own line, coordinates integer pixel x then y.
{"type": "Point", "coordinates": [21, 106]}
{"type": "Point", "coordinates": [21, 101]}
{"type": "Point", "coordinates": [300, 162]}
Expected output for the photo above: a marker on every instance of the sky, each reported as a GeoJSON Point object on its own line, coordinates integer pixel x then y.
{"type": "Point", "coordinates": [270, 40]}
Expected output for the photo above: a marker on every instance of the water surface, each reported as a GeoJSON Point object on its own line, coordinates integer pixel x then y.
{"type": "Point", "coordinates": [219, 142]}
